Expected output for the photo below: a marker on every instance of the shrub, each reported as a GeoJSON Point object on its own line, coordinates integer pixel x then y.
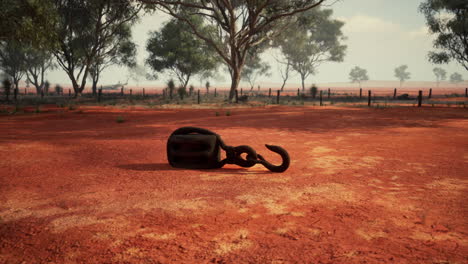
{"type": "Point", "coordinates": [120, 119]}
{"type": "Point", "coordinates": [228, 113]}
{"type": "Point", "coordinates": [182, 92]}
{"type": "Point", "coordinates": [217, 113]}
{"type": "Point", "coordinates": [313, 91]}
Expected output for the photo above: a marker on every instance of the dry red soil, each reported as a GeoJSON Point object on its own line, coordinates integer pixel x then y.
{"type": "Point", "coordinates": [364, 186]}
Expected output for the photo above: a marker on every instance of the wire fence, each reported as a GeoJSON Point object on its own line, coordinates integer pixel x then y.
{"type": "Point", "coordinates": [322, 96]}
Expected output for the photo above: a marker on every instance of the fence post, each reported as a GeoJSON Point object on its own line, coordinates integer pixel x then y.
{"type": "Point", "coordinates": [99, 95]}
{"type": "Point", "coordinates": [321, 101]}
{"type": "Point", "coordinates": [69, 93]}
{"type": "Point", "coordinates": [15, 94]}
{"type": "Point", "coordinates": [42, 94]}
{"type": "Point", "coordinates": [25, 91]}
{"type": "Point", "coordinates": [278, 97]}
{"type": "Point", "coordinates": [466, 92]}
{"type": "Point", "coordinates": [269, 93]}
{"type": "Point", "coordinates": [130, 92]}
{"type": "Point", "coordinates": [360, 93]}
{"type": "Point", "coordinates": [143, 92]}
{"type": "Point", "coordinates": [237, 97]}
{"type": "Point", "coordinates": [430, 93]}
{"type": "Point", "coordinates": [242, 91]}
{"type": "Point", "coordinates": [394, 93]}
{"type": "Point", "coordinates": [420, 98]}
{"type": "Point", "coordinates": [329, 92]}
{"type": "Point", "coordinates": [298, 92]}
{"type": "Point", "coordinates": [369, 99]}
{"type": "Point", "coordinates": [121, 91]}
{"type": "Point", "coordinates": [215, 93]}
{"type": "Point", "coordinates": [198, 96]}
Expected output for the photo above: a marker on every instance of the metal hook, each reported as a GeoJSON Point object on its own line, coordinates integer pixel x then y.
{"type": "Point", "coordinates": [284, 156]}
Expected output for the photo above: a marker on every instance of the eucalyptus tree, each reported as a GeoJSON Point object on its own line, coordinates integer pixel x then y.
{"type": "Point", "coordinates": [175, 49]}
{"type": "Point", "coordinates": [13, 60]}
{"type": "Point", "coordinates": [456, 78]}
{"type": "Point", "coordinates": [240, 25]}
{"type": "Point", "coordinates": [314, 38]}
{"type": "Point", "coordinates": [30, 22]}
{"type": "Point", "coordinates": [86, 30]}
{"type": "Point", "coordinates": [440, 74]}
{"type": "Point", "coordinates": [38, 61]}
{"type": "Point", "coordinates": [402, 74]}
{"type": "Point", "coordinates": [120, 50]}
{"type": "Point", "coordinates": [448, 20]}
{"type": "Point", "coordinates": [358, 75]}
{"type": "Point", "coordinates": [254, 68]}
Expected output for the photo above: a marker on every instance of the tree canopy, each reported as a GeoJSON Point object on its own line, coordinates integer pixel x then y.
{"type": "Point", "coordinates": [30, 22]}
{"type": "Point", "coordinates": [402, 74]}
{"type": "Point", "coordinates": [440, 74]}
{"type": "Point", "coordinates": [456, 78]}
{"type": "Point", "coordinates": [241, 25]}
{"type": "Point", "coordinates": [177, 49]}
{"type": "Point", "coordinates": [314, 38]}
{"type": "Point", "coordinates": [86, 29]}
{"type": "Point", "coordinates": [448, 20]}
{"type": "Point", "coordinates": [358, 75]}
{"type": "Point", "coordinates": [13, 60]}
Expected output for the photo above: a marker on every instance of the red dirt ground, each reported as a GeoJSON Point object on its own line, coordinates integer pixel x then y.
{"type": "Point", "coordinates": [364, 186]}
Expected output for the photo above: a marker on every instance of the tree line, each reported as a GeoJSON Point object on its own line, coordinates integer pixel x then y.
{"type": "Point", "coordinates": [84, 37]}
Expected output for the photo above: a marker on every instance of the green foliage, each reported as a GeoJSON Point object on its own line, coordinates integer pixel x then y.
{"type": "Point", "coordinates": [120, 119]}
{"type": "Point", "coordinates": [402, 74]}
{"type": "Point", "coordinates": [239, 26]}
{"type": "Point", "coordinates": [181, 91]}
{"type": "Point", "coordinates": [448, 20]}
{"type": "Point", "coordinates": [358, 75]}
{"type": "Point", "coordinates": [13, 60]}
{"type": "Point", "coordinates": [207, 86]}
{"type": "Point", "coordinates": [29, 22]}
{"type": "Point", "coordinates": [254, 68]}
{"type": "Point", "coordinates": [58, 89]}
{"type": "Point", "coordinates": [313, 91]}
{"type": "Point", "coordinates": [170, 87]}
{"type": "Point", "coordinates": [46, 87]}
{"type": "Point", "coordinates": [38, 61]}
{"type": "Point", "coordinates": [456, 78]}
{"type": "Point", "coordinates": [228, 113]}
{"type": "Point", "coordinates": [89, 32]}
{"type": "Point", "coordinates": [191, 89]}
{"type": "Point", "coordinates": [7, 87]}
{"type": "Point", "coordinates": [440, 74]}
{"type": "Point", "coordinates": [175, 48]}
{"type": "Point", "coordinates": [314, 38]}
{"type": "Point", "coordinates": [217, 113]}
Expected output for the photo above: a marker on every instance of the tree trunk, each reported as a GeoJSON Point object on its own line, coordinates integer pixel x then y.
{"type": "Point", "coordinates": [235, 80]}
{"type": "Point", "coordinates": [16, 83]}
{"type": "Point", "coordinates": [76, 88]}
{"type": "Point", "coordinates": [95, 82]}
{"type": "Point", "coordinates": [186, 82]}
{"type": "Point", "coordinates": [303, 82]}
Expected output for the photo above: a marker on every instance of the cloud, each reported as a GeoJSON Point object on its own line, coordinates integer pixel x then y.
{"type": "Point", "coordinates": [368, 24]}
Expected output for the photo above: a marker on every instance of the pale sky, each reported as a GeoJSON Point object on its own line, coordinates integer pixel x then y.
{"type": "Point", "coordinates": [381, 35]}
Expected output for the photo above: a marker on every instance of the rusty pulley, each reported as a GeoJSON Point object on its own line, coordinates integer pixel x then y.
{"type": "Point", "coordinates": [199, 148]}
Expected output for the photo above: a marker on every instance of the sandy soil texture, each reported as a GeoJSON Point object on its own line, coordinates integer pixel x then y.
{"type": "Point", "coordinates": [365, 186]}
